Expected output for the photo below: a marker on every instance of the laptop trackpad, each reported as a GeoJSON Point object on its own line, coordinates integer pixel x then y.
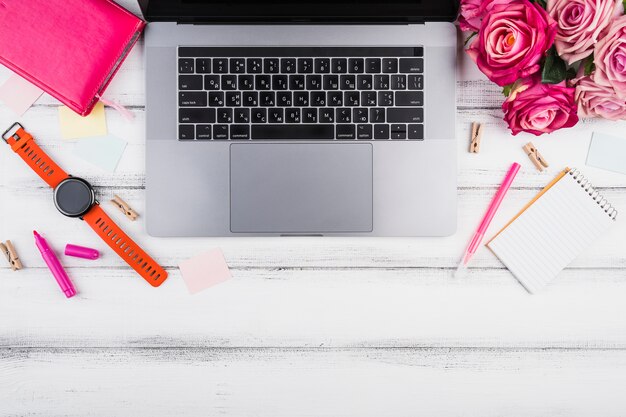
{"type": "Point", "coordinates": [301, 188]}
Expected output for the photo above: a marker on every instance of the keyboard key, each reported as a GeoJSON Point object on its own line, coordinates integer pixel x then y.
{"type": "Point", "coordinates": [186, 132]}
{"type": "Point", "coordinates": [345, 132]}
{"type": "Point", "coordinates": [318, 98]}
{"type": "Point", "coordinates": [385, 98]}
{"type": "Point", "coordinates": [301, 98]}
{"type": "Point", "coordinates": [275, 116]}
{"type": "Point", "coordinates": [280, 82]}
{"type": "Point", "coordinates": [292, 115]}
{"type": "Point", "coordinates": [356, 65]}
{"type": "Point", "coordinates": [381, 131]}
{"type": "Point", "coordinates": [284, 99]}
{"type": "Point", "coordinates": [225, 116]}
{"type": "Point", "coordinates": [271, 65]}
{"type": "Point", "coordinates": [203, 132]}
{"type": "Point", "coordinates": [343, 115]}
{"type": "Point", "coordinates": [331, 82]}
{"type": "Point", "coordinates": [216, 98]}
{"type": "Point", "coordinates": [233, 98]}
{"type": "Point", "coordinates": [405, 115]}
{"type": "Point", "coordinates": [360, 115]}
{"type": "Point", "coordinates": [305, 65]}
{"type": "Point", "coordinates": [246, 82]}
{"type": "Point", "coordinates": [192, 99]}
{"type": "Point", "coordinates": [238, 65]}
{"type": "Point", "coordinates": [186, 65]}
{"type": "Point", "coordinates": [335, 98]}
{"type": "Point", "coordinates": [267, 99]}
{"type": "Point", "coordinates": [196, 115]}
{"type": "Point", "coordinates": [339, 65]}
{"type": "Point", "coordinates": [364, 82]}
{"type": "Point", "coordinates": [390, 65]}
{"type": "Point", "coordinates": [347, 82]}
{"type": "Point", "coordinates": [410, 98]}
{"type": "Point", "coordinates": [220, 132]}
{"type": "Point", "coordinates": [203, 65]}
{"type": "Point", "coordinates": [314, 82]}
{"type": "Point", "coordinates": [381, 82]}
{"type": "Point", "coordinates": [242, 115]}
{"type": "Point", "coordinates": [377, 115]}
{"type": "Point", "coordinates": [288, 65]}
{"type": "Point", "coordinates": [322, 65]}
{"type": "Point", "coordinates": [239, 132]}
{"type": "Point", "coordinates": [296, 82]}
{"type": "Point", "coordinates": [263, 82]}
{"type": "Point", "coordinates": [368, 98]}
{"type": "Point", "coordinates": [309, 115]}
{"type": "Point", "coordinates": [310, 132]}
{"type": "Point", "coordinates": [415, 82]}
{"type": "Point", "coordinates": [220, 65]}
{"type": "Point", "coordinates": [352, 98]}
{"type": "Point", "coordinates": [412, 65]}
{"type": "Point", "coordinates": [372, 65]}
{"type": "Point", "coordinates": [416, 132]}
{"type": "Point", "coordinates": [364, 132]}
{"type": "Point", "coordinates": [190, 82]}
{"type": "Point", "coordinates": [212, 82]}
{"type": "Point", "coordinates": [255, 65]}
{"type": "Point", "coordinates": [327, 116]}
{"type": "Point", "coordinates": [398, 82]}
{"type": "Point", "coordinates": [259, 115]}
{"type": "Point", "coordinates": [250, 98]}
{"type": "Point", "coordinates": [229, 82]}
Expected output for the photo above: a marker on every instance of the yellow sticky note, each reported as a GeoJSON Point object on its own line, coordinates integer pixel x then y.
{"type": "Point", "coordinates": [74, 126]}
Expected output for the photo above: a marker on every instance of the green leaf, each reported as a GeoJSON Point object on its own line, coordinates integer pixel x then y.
{"type": "Point", "coordinates": [469, 38]}
{"type": "Point", "coordinates": [589, 65]}
{"type": "Point", "coordinates": [543, 4]}
{"type": "Point", "coordinates": [507, 90]}
{"type": "Point", "coordinates": [554, 68]}
{"type": "Point", "coordinates": [624, 2]}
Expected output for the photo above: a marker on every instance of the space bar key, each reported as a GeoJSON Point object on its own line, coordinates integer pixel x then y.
{"type": "Point", "coordinates": [293, 132]}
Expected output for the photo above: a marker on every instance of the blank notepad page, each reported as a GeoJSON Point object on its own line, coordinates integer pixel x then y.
{"type": "Point", "coordinates": [552, 232]}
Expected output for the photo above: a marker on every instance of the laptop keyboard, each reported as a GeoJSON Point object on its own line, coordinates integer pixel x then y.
{"type": "Point", "coordinates": [312, 93]}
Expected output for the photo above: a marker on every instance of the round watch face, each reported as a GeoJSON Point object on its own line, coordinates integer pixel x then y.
{"type": "Point", "coordinates": [74, 197]}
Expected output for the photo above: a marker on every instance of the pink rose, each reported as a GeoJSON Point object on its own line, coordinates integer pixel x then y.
{"type": "Point", "coordinates": [512, 40]}
{"type": "Point", "coordinates": [471, 13]}
{"type": "Point", "coordinates": [581, 23]}
{"type": "Point", "coordinates": [610, 57]}
{"type": "Point", "coordinates": [596, 100]}
{"type": "Point", "coordinates": [539, 108]}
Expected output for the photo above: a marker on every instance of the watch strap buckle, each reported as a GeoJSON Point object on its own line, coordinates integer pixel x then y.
{"type": "Point", "coordinates": [16, 136]}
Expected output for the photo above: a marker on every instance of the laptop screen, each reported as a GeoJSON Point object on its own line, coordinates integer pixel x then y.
{"type": "Point", "coordinates": [299, 11]}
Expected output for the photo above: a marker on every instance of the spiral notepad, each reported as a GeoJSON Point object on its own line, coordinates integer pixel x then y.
{"type": "Point", "coordinates": [553, 229]}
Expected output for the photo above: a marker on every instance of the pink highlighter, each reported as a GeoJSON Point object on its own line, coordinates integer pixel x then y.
{"type": "Point", "coordinates": [491, 212]}
{"type": "Point", "coordinates": [55, 266]}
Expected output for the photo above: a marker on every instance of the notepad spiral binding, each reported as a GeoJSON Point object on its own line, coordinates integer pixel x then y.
{"type": "Point", "coordinates": [595, 194]}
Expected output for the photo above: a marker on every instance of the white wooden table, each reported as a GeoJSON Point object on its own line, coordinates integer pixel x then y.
{"type": "Point", "coordinates": [310, 326]}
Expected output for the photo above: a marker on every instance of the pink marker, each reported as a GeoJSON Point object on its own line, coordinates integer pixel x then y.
{"type": "Point", "coordinates": [491, 212]}
{"type": "Point", "coordinates": [55, 266]}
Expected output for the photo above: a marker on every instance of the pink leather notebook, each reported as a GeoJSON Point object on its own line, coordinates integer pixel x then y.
{"type": "Point", "coordinates": [71, 49]}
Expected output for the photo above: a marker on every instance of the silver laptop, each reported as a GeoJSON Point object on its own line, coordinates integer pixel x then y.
{"type": "Point", "coordinates": [279, 117]}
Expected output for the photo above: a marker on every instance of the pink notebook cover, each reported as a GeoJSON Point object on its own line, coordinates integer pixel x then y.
{"type": "Point", "coordinates": [71, 49]}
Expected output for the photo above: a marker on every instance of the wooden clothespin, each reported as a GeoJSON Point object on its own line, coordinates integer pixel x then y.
{"type": "Point", "coordinates": [11, 255]}
{"type": "Point", "coordinates": [124, 208]}
{"type": "Point", "coordinates": [535, 156]}
{"type": "Point", "coordinates": [477, 134]}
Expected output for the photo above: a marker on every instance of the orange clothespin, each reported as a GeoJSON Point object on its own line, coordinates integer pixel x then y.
{"type": "Point", "coordinates": [534, 155]}
{"type": "Point", "coordinates": [477, 134]}
{"type": "Point", "coordinates": [124, 208]}
{"type": "Point", "coordinates": [11, 255]}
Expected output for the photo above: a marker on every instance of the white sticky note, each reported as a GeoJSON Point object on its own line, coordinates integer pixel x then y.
{"type": "Point", "coordinates": [18, 94]}
{"type": "Point", "coordinates": [75, 126]}
{"type": "Point", "coordinates": [607, 152]}
{"type": "Point", "coordinates": [102, 151]}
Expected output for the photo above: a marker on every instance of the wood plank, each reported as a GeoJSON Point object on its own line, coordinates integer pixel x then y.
{"type": "Point", "coordinates": [320, 382]}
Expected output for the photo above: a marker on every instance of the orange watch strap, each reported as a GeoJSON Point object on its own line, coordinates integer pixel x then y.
{"type": "Point", "coordinates": [124, 246]}
{"type": "Point", "coordinates": [23, 144]}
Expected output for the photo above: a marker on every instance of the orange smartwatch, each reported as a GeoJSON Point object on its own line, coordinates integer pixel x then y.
{"type": "Point", "coordinates": [75, 197]}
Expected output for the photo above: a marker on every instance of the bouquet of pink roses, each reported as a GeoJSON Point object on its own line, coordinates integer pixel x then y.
{"type": "Point", "coordinates": [555, 59]}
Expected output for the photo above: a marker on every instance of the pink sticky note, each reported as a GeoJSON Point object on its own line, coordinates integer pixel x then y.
{"type": "Point", "coordinates": [18, 94]}
{"type": "Point", "coordinates": [204, 271]}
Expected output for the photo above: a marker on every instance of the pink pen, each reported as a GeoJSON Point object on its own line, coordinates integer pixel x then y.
{"type": "Point", "coordinates": [493, 208]}
{"type": "Point", "coordinates": [55, 266]}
